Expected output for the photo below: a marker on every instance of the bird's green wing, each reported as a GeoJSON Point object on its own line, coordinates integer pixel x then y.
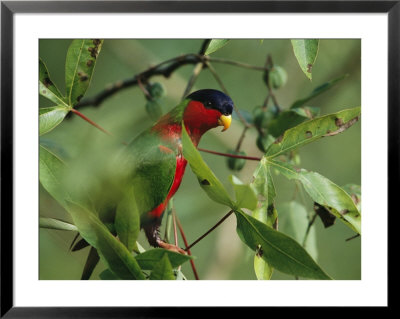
{"type": "Point", "coordinates": [149, 168]}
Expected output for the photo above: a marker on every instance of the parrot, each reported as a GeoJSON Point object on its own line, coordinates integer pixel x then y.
{"type": "Point", "coordinates": [153, 161]}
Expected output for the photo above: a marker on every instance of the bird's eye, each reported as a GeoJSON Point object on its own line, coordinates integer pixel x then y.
{"type": "Point", "coordinates": [208, 103]}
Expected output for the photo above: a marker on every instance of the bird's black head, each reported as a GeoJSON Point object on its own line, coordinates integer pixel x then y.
{"type": "Point", "coordinates": [213, 99]}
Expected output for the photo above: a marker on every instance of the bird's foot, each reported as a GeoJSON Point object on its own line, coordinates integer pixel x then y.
{"type": "Point", "coordinates": [171, 247]}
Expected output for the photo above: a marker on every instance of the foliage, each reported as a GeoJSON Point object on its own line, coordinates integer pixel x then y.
{"type": "Point", "coordinates": [113, 231]}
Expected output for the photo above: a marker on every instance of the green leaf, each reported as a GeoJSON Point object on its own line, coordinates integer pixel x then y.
{"type": "Point", "coordinates": [108, 275]}
{"type": "Point", "coordinates": [127, 222]}
{"type": "Point", "coordinates": [245, 195]}
{"type": "Point", "coordinates": [215, 45]}
{"type": "Point", "coordinates": [163, 270]}
{"type": "Point", "coordinates": [263, 183]}
{"type": "Point", "coordinates": [47, 88]}
{"type": "Point", "coordinates": [280, 251]}
{"type": "Point", "coordinates": [269, 216]}
{"type": "Point", "coordinates": [293, 222]}
{"type": "Point", "coordinates": [317, 91]}
{"type": "Point", "coordinates": [52, 223]}
{"type": "Point", "coordinates": [79, 66]}
{"type": "Point", "coordinates": [113, 253]}
{"type": "Point", "coordinates": [54, 147]}
{"type": "Point", "coordinates": [50, 117]}
{"type": "Point", "coordinates": [324, 192]}
{"type": "Point", "coordinates": [306, 51]}
{"type": "Point", "coordinates": [355, 192]}
{"type": "Point", "coordinates": [290, 118]}
{"type": "Point", "coordinates": [138, 248]}
{"type": "Point", "coordinates": [208, 181]}
{"type": "Point", "coordinates": [51, 175]}
{"type": "Point", "coordinates": [265, 213]}
{"type": "Point", "coordinates": [179, 274]}
{"type": "Point", "coordinates": [307, 132]}
{"type": "Point", "coordinates": [149, 259]}
{"type": "Point", "coordinates": [262, 269]}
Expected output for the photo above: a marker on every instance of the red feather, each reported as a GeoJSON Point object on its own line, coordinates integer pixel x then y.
{"type": "Point", "coordinates": [198, 120]}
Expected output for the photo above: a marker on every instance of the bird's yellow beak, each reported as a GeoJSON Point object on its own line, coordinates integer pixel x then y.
{"type": "Point", "coordinates": [225, 121]}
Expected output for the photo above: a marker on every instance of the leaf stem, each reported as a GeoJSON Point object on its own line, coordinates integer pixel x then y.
{"type": "Point", "coordinates": [310, 223]}
{"type": "Point", "coordinates": [91, 122]}
{"type": "Point", "coordinates": [210, 230]}
{"type": "Point", "coordinates": [221, 84]}
{"type": "Point", "coordinates": [196, 71]}
{"type": "Point", "coordinates": [186, 245]}
{"type": "Point", "coordinates": [240, 141]}
{"type": "Point", "coordinates": [250, 158]}
{"type": "Point", "coordinates": [174, 223]}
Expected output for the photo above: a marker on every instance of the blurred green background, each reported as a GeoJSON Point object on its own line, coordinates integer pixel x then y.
{"type": "Point", "coordinates": [221, 255]}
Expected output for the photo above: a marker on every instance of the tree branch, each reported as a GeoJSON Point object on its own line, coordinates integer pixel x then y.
{"type": "Point", "coordinates": [165, 69]}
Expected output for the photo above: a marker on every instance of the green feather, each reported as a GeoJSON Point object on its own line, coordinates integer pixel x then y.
{"type": "Point", "coordinates": [148, 171]}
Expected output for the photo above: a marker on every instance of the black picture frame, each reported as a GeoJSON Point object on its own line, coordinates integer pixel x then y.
{"type": "Point", "coordinates": [9, 8]}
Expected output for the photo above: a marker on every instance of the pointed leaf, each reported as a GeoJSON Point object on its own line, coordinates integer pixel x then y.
{"type": "Point", "coordinates": [208, 181]}
{"type": "Point", "coordinates": [79, 66]}
{"type": "Point", "coordinates": [52, 223]}
{"type": "Point", "coordinates": [149, 259]}
{"type": "Point", "coordinates": [262, 269]}
{"type": "Point", "coordinates": [113, 253]}
{"type": "Point", "coordinates": [163, 270]}
{"type": "Point", "coordinates": [307, 132]}
{"type": "Point", "coordinates": [50, 117]}
{"type": "Point", "coordinates": [355, 192]}
{"type": "Point", "coordinates": [291, 118]}
{"type": "Point", "coordinates": [280, 251]}
{"type": "Point", "coordinates": [51, 175]}
{"type": "Point", "coordinates": [263, 183]}
{"type": "Point", "coordinates": [269, 216]}
{"type": "Point", "coordinates": [92, 260]}
{"type": "Point", "coordinates": [127, 222]}
{"type": "Point", "coordinates": [215, 45]}
{"type": "Point", "coordinates": [306, 51]}
{"type": "Point", "coordinates": [47, 88]}
{"type": "Point", "coordinates": [324, 192]}
{"type": "Point", "coordinates": [82, 243]}
{"type": "Point", "coordinates": [293, 221]}
{"type": "Point", "coordinates": [317, 91]}
{"type": "Point", "coordinates": [179, 275]}
{"type": "Point", "coordinates": [245, 195]}
{"type": "Point", "coordinates": [107, 274]}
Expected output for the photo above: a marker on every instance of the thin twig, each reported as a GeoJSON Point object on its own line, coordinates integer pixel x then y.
{"type": "Point", "coordinates": [144, 90]}
{"type": "Point", "coordinates": [165, 68]}
{"type": "Point", "coordinates": [221, 84]}
{"type": "Point", "coordinates": [235, 63]}
{"type": "Point", "coordinates": [210, 230]}
{"type": "Point", "coordinates": [353, 237]}
{"type": "Point", "coordinates": [174, 223]}
{"type": "Point", "coordinates": [196, 71]}
{"type": "Point", "coordinates": [250, 158]}
{"type": "Point", "coordinates": [310, 223]}
{"type": "Point", "coordinates": [216, 77]}
{"type": "Point", "coordinates": [91, 122]}
{"type": "Point", "coordinates": [187, 247]}
{"type": "Point", "coordinates": [240, 141]}
{"type": "Point", "coordinates": [265, 104]}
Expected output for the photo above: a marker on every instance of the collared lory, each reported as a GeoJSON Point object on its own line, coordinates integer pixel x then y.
{"type": "Point", "coordinates": [153, 161]}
